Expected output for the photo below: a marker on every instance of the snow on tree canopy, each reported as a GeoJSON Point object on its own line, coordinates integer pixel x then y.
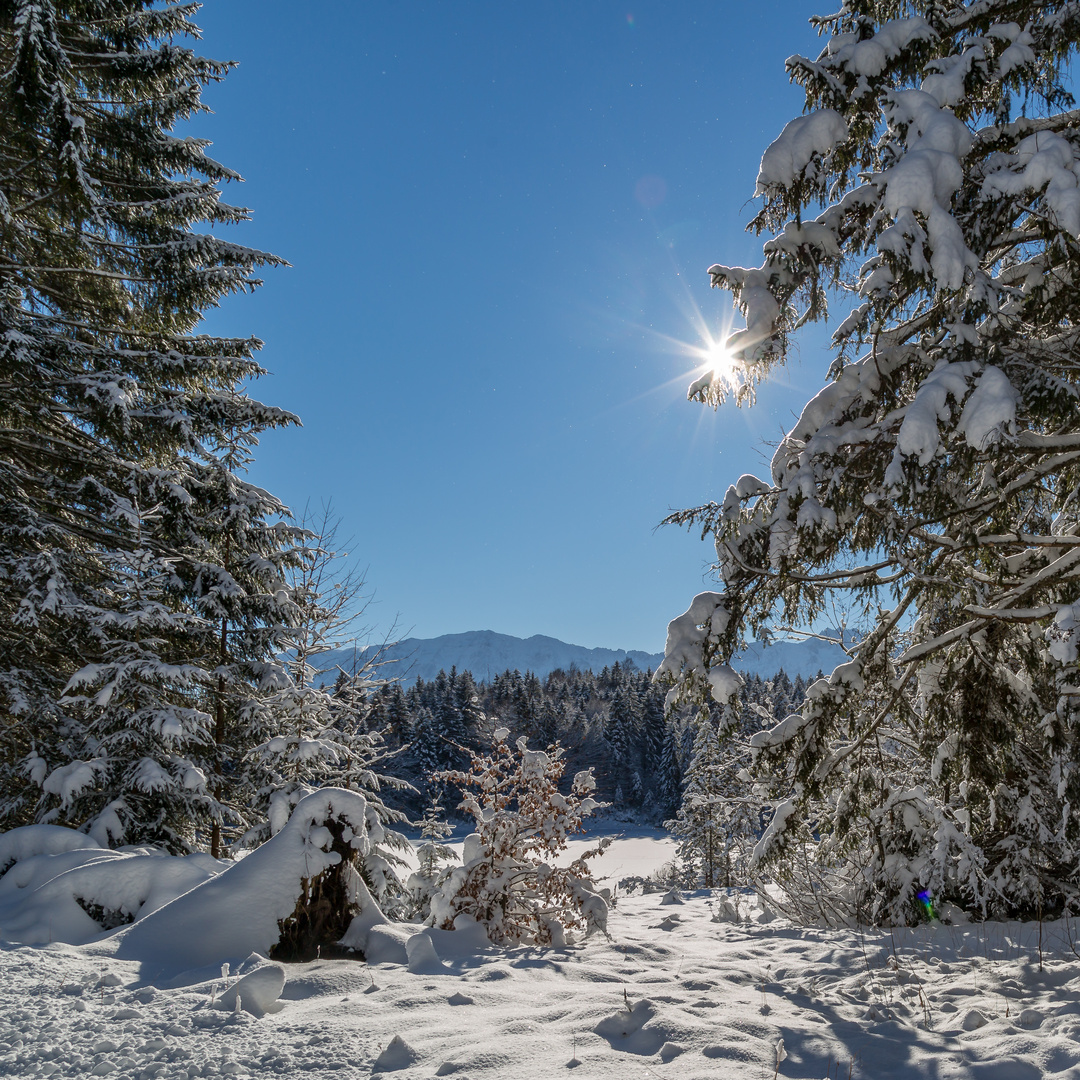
{"type": "Point", "coordinates": [1063, 635]}
{"type": "Point", "coordinates": [688, 638]}
{"type": "Point", "coordinates": [918, 436]}
{"type": "Point", "coordinates": [71, 780]}
{"type": "Point", "coordinates": [990, 412]}
{"type": "Point", "coordinates": [932, 488]}
{"type": "Point", "coordinates": [802, 139]}
{"type": "Point", "coordinates": [1042, 164]}
{"type": "Point", "coordinates": [868, 56]}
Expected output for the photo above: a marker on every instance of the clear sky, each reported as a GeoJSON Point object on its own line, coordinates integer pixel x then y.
{"type": "Point", "coordinates": [499, 216]}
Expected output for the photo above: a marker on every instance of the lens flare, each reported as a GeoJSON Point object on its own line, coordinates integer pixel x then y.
{"type": "Point", "coordinates": [719, 359]}
{"type": "Point", "coordinates": [716, 364]}
{"type": "Point", "coordinates": [927, 902]}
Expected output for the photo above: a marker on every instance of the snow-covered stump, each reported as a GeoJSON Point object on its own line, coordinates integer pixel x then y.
{"type": "Point", "coordinates": [327, 904]}
{"type": "Point", "coordinates": [292, 898]}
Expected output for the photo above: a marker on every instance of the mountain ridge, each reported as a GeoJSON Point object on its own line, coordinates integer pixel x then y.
{"type": "Point", "coordinates": [487, 653]}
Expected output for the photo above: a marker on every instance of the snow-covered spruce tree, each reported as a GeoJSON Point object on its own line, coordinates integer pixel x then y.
{"type": "Point", "coordinates": [140, 737]}
{"type": "Point", "coordinates": [109, 401]}
{"type": "Point", "coordinates": [434, 859]}
{"type": "Point", "coordinates": [670, 775]}
{"type": "Point", "coordinates": [509, 881]}
{"type": "Point", "coordinates": [934, 482]}
{"type": "Point", "coordinates": [719, 821]}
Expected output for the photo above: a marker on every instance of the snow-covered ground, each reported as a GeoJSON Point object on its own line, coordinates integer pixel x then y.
{"type": "Point", "coordinates": [710, 987]}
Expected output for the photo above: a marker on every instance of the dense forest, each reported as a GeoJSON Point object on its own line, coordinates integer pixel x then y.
{"type": "Point", "coordinates": [611, 721]}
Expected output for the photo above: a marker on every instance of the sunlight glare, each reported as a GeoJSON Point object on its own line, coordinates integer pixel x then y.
{"type": "Point", "coordinates": [719, 359]}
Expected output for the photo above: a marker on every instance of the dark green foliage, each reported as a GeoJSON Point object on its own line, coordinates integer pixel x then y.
{"type": "Point", "coordinates": [644, 759]}
{"type": "Point", "coordinates": [140, 575]}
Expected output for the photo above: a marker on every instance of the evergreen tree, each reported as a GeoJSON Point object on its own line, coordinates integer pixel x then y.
{"type": "Point", "coordinates": [620, 730]}
{"type": "Point", "coordinates": [697, 827]}
{"type": "Point", "coordinates": [141, 738]}
{"type": "Point", "coordinates": [434, 858]}
{"type": "Point", "coordinates": [398, 722]}
{"type": "Point", "coordinates": [237, 565]}
{"type": "Point", "coordinates": [449, 722]}
{"type": "Point", "coordinates": [933, 177]}
{"type": "Point", "coordinates": [133, 556]}
{"type": "Point", "coordinates": [653, 730]}
{"type": "Point", "coordinates": [467, 703]}
{"type": "Point", "coordinates": [669, 787]}
{"type": "Point", "coordinates": [425, 748]}
{"type": "Point", "coordinates": [719, 821]}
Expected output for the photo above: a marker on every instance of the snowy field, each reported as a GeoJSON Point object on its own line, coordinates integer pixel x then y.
{"type": "Point", "coordinates": [709, 987]}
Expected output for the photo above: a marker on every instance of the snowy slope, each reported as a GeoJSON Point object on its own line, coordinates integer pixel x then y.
{"type": "Point", "coordinates": [486, 654]}
{"type": "Point", "coordinates": [707, 988]}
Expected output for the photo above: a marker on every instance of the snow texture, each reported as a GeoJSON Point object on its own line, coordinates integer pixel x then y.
{"type": "Point", "coordinates": [720, 996]}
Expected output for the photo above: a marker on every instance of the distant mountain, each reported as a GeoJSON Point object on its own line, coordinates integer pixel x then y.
{"type": "Point", "coordinates": [486, 654]}
{"type": "Point", "coordinates": [805, 657]}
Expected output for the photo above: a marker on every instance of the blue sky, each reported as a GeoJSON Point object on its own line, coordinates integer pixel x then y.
{"type": "Point", "coordinates": [499, 217]}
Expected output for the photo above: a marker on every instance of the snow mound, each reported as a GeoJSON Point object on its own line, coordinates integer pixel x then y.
{"type": "Point", "coordinates": [257, 992]}
{"type": "Point", "coordinates": [241, 910]}
{"type": "Point", "coordinates": [398, 1055]}
{"type": "Point", "coordinates": [75, 896]}
{"type": "Point", "coordinates": [30, 840]}
{"type": "Point", "coordinates": [626, 1030]}
{"type": "Point", "coordinates": [386, 944]}
{"type": "Point", "coordinates": [423, 959]}
{"type": "Point", "coordinates": [429, 950]}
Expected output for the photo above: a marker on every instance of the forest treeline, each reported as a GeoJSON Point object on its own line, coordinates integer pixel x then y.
{"type": "Point", "coordinates": [611, 721]}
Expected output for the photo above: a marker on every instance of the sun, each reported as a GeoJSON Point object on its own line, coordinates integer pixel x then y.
{"type": "Point", "coordinates": [721, 367]}
{"type": "Point", "coordinates": [718, 360]}
{"type": "Point", "coordinates": [718, 357]}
